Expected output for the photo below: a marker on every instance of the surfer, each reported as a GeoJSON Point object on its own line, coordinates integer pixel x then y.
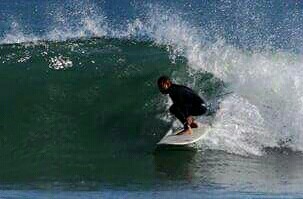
{"type": "Point", "coordinates": [186, 103]}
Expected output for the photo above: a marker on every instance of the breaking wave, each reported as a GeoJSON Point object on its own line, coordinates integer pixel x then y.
{"type": "Point", "coordinates": [262, 70]}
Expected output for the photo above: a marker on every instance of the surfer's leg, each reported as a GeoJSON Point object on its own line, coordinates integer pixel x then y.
{"type": "Point", "coordinates": [197, 110]}
{"type": "Point", "coordinates": [178, 113]}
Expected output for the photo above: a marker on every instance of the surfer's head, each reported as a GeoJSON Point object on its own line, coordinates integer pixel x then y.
{"type": "Point", "coordinates": [164, 83]}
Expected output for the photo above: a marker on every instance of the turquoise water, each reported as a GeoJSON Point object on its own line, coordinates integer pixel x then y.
{"type": "Point", "coordinates": [81, 113]}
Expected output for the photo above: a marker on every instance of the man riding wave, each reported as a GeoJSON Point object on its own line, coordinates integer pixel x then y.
{"type": "Point", "coordinates": [186, 103]}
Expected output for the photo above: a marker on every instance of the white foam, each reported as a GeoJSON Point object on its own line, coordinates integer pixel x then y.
{"type": "Point", "coordinates": [238, 128]}
{"type": "Point", "coordinates": [60, 63]}
{"type": "Point", "coordinates": [267, 105]}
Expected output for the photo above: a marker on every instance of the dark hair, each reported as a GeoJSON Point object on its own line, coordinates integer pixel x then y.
{"type": "Point", "coordinates": [162, 79]}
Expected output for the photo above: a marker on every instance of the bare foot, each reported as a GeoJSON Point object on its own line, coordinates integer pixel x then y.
{"type": "Point", "coordinates": [194, 125]}
{"type": "Point", "coordinates": [191, 121]}
{"type": "Point", "coordinates": [188, 131]}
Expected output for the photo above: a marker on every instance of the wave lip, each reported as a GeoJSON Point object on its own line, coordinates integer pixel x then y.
{"type": "Point", "coordinates": [74, 19]}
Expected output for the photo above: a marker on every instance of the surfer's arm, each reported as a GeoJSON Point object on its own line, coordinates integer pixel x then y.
{"type": "Point", "coordinates": [188, 96]}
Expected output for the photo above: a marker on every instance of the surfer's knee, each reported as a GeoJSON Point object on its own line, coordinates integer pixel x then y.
{"type": "Point", "coordinates": [203, 109]}
{"type": "Point", "coordinates": [200, 110]}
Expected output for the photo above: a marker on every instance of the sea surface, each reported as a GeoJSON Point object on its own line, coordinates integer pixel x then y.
{"type": "Point", "coordinates": [80, 111]}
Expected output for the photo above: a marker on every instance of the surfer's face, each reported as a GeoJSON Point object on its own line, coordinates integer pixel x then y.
{"type": "Point", "coordinates": [164, 86]}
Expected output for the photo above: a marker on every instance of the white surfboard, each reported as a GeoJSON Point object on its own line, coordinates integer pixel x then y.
{"type": "Point", "coordinates": [171, 138]}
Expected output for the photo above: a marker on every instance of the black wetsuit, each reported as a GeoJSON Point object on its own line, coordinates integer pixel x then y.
{"type": "Point", "coordinates": [185, 103]}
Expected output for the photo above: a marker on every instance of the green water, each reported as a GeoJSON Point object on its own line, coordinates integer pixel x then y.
{"type": "Point", "coordinates": [97, 121]}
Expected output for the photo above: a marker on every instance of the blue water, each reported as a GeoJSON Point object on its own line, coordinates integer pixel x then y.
{"type": "Point", "coordinates": [81, 114]}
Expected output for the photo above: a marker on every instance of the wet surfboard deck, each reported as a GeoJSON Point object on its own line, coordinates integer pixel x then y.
{"type": "Point", "coordinates": [171, 138]}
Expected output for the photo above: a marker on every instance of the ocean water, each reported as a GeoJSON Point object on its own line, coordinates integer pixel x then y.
{"type": "Point", "coordinates": [81, 114]}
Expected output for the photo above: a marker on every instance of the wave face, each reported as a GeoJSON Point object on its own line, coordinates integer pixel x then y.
{"type": "Point", "coordinates": [88, 65]}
